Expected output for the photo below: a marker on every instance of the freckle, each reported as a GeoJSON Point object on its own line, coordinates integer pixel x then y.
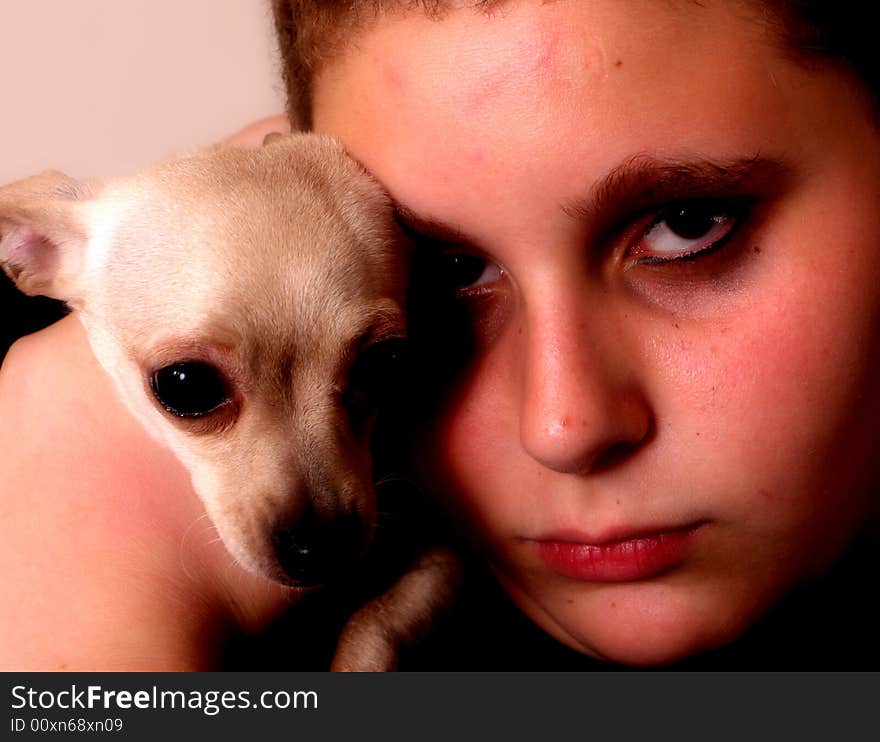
{"type": "Point", "coordinates": [618, 63]}
{"type": "Point", "coordinates": [570, 601]}
{"type": "Point", "coordinates": [756, 248]}
{"type": "Point", "coordinates": [613, 604]}
{"type": "Point", "coordinates": [618, 502]}
{"type": "Point", "coordinates": [698, 434]}
{"type": "Point", "coordinates": [675, 325]}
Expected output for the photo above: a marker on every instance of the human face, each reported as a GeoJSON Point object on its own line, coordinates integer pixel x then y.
{"type": "Point", "coordinates": [666, 421]}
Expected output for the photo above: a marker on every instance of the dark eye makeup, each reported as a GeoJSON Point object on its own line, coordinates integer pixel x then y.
{"type": "Point", "coordinates": [465, 273]}
{"type": "Point", "coordinates": [669, 215]}
{"type": "Point", "coordinates": [670, 236]}
{"type": "Point", "coordinates": [689, 231]}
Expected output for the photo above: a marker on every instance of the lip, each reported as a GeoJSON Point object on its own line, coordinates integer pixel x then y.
{"type": "Point", "coordinates": [636, 556]}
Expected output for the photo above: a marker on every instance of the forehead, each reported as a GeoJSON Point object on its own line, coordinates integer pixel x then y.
{"type": "Point", "coordinates": [547, 98]}
{"type": "Point", "coordinates": [474, 64]}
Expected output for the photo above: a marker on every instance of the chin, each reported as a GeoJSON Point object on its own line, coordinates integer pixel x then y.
{"type": "Point", "coordinates": [650, 626]}
{"type": "Point", "coordinates": [655, 649]}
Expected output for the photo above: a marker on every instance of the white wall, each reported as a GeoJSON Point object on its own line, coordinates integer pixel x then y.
{"type": "Point", "coordinates": [102, 87]}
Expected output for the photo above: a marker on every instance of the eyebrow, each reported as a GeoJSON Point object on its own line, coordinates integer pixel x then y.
{"type": "Point", "coordinates": [639, 182]}
{"type": "Point", "coordinates": [416, 225]}
{"type": "Point", "coordinates": [643, 180]}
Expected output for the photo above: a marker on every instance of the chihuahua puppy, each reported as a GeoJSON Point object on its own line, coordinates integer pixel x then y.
{"type": "Point", "coordinates": [246, 304]}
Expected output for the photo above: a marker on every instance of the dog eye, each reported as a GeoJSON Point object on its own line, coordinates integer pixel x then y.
{"type": "Point", "coordinates": [375, 375]}
{"type": "Point", "coordinates": [190, 389]}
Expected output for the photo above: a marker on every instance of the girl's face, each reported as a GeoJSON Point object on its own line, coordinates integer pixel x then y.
{"type": "Point", "coordinates": [665, 235]}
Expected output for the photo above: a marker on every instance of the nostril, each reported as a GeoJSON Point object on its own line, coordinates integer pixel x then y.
{"type": "Point", "coordinates": [315, 550]}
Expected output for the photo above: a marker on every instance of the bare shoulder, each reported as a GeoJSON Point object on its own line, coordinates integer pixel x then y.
{"type": "Point", "coordinates": [56, 404]}
{"type": "Point", "coordinates": [59, 356]}
{"type": "Point", "coordinates": [108, 560]}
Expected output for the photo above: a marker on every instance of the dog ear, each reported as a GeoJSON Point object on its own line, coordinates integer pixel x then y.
{"type": "Point", "coordinates": [42, 238]}
{"type": "Point", "coordinates": [274, 137]}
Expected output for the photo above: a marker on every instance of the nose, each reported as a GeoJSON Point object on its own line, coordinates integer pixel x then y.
{"type": "Point", "coordinates": [582, 406]}
{"type": "Point", "coordinates": [316, 549]}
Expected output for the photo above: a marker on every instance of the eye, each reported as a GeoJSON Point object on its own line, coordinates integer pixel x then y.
{"type": "Point", "coordinates": [688, 231]}
{"type": "Point", "coordinates": [464, 272]}
{"type": "Point", "coordinates": [191, 389]}
{"type": "Point", "coordinates": [377, 372]}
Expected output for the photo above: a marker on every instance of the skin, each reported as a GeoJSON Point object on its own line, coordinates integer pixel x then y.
{"type": "Point", "coordinates": [732, 394]}
{"type": "Point", "coordinates": [114, 565]}
{"type": "Point", "coordinates": [574, 355]}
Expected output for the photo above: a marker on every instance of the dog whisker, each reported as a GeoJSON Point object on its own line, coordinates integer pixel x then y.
{"type": "Point", "coordinates": [394, 479]}
{"type": "Point", "coordinates": [207, 525]}
{"type": "Point", "coordinates": [309, 305]}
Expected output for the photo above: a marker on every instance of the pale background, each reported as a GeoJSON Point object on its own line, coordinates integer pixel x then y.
{"type": "Point", "coordinates": [104, 87]}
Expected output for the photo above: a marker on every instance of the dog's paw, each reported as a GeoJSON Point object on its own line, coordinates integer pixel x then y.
{"type": "Point", "coordinates": [400, 618]}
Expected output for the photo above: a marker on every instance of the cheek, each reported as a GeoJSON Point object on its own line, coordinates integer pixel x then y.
{"type": "Point", "coordinates": [774, 403]}
{"type": "Point", "coordinates": [472, 444]}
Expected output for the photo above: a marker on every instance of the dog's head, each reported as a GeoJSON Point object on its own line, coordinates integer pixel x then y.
{"type": "Point", "coordinates": [246, 303]}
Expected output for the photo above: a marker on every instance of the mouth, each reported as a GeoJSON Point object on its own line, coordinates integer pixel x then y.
{"type": "Point", "coordinates": [634, 556]}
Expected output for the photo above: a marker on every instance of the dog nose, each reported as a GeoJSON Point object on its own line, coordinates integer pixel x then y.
{"type": "Point", "coordinates": [315, 550]}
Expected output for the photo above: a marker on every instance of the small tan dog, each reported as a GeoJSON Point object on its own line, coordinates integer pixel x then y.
{"type": "Point", "coordinates": [244, 303]}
